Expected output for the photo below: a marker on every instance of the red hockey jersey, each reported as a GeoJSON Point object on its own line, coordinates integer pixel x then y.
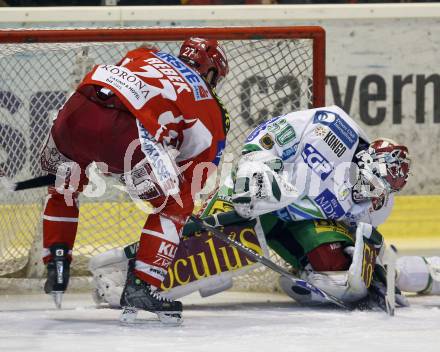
{"type": "Point", "coordinates": [174, 104]}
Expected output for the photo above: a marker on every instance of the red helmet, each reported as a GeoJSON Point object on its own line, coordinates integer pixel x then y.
{"type": "Point", "coordinates": [383, 168]}
{"type": "Point", "coordinates": [393, 160]}
{"type": "Point", "coordinates": [206, 56]}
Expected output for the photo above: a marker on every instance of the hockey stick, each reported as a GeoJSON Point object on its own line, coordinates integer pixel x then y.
{"type": "Point", "coordinates": [301, 286]}
{"type": "Point", "coordinates": [39, 181]}
{"type": "Point", "coordinates": [219, 219]}
{"type": "Point", "coordinates": [195, 224]}
{"type": "Point", "coordinates": [383, 291]}
{"type": "Point", "coordinates": [390, 298]}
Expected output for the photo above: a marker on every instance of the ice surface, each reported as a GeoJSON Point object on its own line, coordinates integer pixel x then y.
{"type": "Point", "coordinates": [230, 321]}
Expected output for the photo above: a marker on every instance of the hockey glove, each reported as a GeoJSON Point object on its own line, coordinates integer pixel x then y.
{"type": "Point", "coordinates": [259, 187]}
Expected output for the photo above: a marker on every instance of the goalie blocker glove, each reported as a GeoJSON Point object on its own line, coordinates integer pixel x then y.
{"type": "Point", "coordinates": [259, 187]}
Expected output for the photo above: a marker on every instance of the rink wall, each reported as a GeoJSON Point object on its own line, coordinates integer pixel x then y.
{"type": "Point", "coordinates": [382, 68]}
{"type": "Point", "coordinates": [414, 223]}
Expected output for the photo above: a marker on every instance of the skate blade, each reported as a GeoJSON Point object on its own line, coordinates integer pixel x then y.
{"type": "Point", "coordinates": [57, 298]}
{"type": "Point", "coordinates": [128, 316]}
{"type": "Point", "coordinates": [170, 318]}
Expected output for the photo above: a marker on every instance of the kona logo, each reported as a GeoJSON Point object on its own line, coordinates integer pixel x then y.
{"type": "Point", "coordinates": [131, 87]}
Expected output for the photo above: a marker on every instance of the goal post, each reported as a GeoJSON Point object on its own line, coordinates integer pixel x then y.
{"type": "Point", "coordinates": [273, 70]}
{"type": "Point", "coordinates": [314, 33]}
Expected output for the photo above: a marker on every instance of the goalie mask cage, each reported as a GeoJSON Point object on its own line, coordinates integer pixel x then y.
{"type": "Point", "coordinates": [273, 70]}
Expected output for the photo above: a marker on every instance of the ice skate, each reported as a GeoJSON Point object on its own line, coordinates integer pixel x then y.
{"type": "Point", "coordinates": [58, 273]}
{"type": "Point", "coordinates": [139, 295]}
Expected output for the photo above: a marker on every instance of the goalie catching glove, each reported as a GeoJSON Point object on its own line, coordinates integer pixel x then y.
{"type": "Point", "coordinates": [259, 186]}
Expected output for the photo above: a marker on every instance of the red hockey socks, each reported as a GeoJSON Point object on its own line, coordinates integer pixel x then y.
{"type": "Point", "coordinates": [60, 222]}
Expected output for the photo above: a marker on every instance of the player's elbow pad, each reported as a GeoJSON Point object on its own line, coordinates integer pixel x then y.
{"type": "Point", "coordinates": [154, 176]}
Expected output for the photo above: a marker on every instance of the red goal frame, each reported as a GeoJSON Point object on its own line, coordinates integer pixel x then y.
{"type": "Point", "coordinates": [315, 33]}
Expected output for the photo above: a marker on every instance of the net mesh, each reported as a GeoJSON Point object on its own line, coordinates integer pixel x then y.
{"type": "Point", "coordinates": [267, 77]}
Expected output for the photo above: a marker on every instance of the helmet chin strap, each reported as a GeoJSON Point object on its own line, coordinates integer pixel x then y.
{"type": "Point", "coordinates": [210, 78]}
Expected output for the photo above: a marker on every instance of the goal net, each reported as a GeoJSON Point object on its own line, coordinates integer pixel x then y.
{"type": "Point", "coordinates": [272, 71]}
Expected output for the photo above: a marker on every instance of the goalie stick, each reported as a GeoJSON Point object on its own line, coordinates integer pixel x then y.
{"type": "Point", "coordinates": [220, 219]}
{"type": "Point", "coordinates": [36, 182]}
{"type": "Point", "coordinates": [299, 286]}
{"type": "Point", "coordinates": [383, 291]}
{"type": "Point", "coordinates": [390, 298]}
{"type": "Point", "coordinates": [195, 224]}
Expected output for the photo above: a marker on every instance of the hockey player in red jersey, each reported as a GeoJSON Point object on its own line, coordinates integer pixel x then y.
{"type": "Point", "coordinates": [142, 120]}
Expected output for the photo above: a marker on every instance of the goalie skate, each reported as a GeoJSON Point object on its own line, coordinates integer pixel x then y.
{"type": "Point", "coordinates": [139, 295]}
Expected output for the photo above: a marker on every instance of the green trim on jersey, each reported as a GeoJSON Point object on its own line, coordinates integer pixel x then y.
{"type": "Point", "coordinates": [314, 210]}
{"type": "Point", "coordinates": [248, 148]}
{"type": "Point", "coordinates": [293, 240]}
{"type": "Point", "coordinates": [284, 253]}
{"type": "Point", "coordinates": [217, 205]}
{"type": "Point", "coordinates": [313, 233]}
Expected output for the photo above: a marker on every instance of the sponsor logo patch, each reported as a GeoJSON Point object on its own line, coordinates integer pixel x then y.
{"type": "Point", "coordinates": [167, 249]}
{"type": "Point", "coordinates": [316, 161]}
{"type": "Point", "coordinates": [133, 88]}
{"type": "Point", "coordinates": [339, 127]}
{"type": "Point", "coordinates": [308, 210]}
{"type": "Point", "coordinates": [284, 215]}
{"type": "Point", "coordinates": [160, 163]}
{"type": "Point", "coordinates": [289, 152]}
{"type": "Point", "coordinates": [286, 135]}
{"type": "Point", "coordinates": [320, 131]}
{"type": "Point", "coordinates": [201, 92]}
{"type": "Point", "coordinates": [335, 144]}
{"type": "Point", "coordinates": [329, 205]}
{"type": "Point", "coordinates": [266, 141]}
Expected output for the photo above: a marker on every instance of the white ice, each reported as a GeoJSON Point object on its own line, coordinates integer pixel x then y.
{"type": "Point", "coordinates": [230, 321]}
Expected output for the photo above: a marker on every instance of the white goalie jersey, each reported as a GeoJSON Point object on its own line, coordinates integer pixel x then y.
{"type": "Point", "coordinates": [316, 148]}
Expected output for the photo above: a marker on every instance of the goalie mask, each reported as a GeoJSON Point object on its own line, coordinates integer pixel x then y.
{"type": "Point", "coordinates": [382, 168]}
{"type": "Point", "coordinates": [206, 57]}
